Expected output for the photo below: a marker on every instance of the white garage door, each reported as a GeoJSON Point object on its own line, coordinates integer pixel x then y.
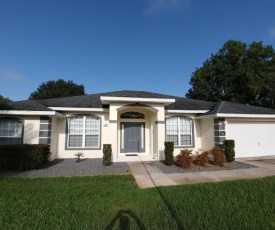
{"type": "Point", "coordinates": [252, 138]}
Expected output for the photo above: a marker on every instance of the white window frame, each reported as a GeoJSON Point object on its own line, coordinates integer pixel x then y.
{"type": "Point", "coordinates": [8, 119]}
{"type": "Point", "coordinates": [179, 131]}
{"type": "Point", "coordinates": [83, 134]}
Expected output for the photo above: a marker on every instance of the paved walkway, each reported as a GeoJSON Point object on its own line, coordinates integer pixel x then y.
{"type": "Point", "coordinates": [147, 175]}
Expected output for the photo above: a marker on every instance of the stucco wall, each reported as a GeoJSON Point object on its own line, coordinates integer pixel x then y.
{"type": "Point", "coordinates": [147, 121]}
{"type": "Point", "coordinates": [62, 152]}
{"type": "Point", "coordinates": [31, 128]}
{"type": "Point", "coordinates": [207, 133]}
{"type": "Point", "coordinates": [54, 139]}
{"type": "Point", "coordinates": [196, 132]}
{"type": "Point", "coordinates": [153, 112]}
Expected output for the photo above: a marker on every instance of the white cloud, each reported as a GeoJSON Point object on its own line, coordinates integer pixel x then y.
{"type": "Point", "coordinates": [10, 75]}
{"type": "Point", "coordinates": [272, 32]}
{"type": "Point", "coordinates": [165, 6]}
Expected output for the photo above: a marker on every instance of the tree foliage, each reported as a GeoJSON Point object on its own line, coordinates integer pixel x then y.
{"type": "Point", "coordinates": [59, 88]}
{"type": "Point", "coordinates": [238, 73]}
{"type": "Point", "coordinates": [4, 99]}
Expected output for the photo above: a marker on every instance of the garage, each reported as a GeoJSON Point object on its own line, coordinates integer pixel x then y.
{"type": "Point", "coordinates": [252, 139]}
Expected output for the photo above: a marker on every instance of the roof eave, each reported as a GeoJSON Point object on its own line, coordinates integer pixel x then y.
{"type": "Point", "coordinates": [29, 113]}
{"type": "Point", "coordinates": [186, 111]}
{"type": "Point", "coordinates": [235, 115]}
{"type": "Point", "coordinates": [80, 109]}
{"type": "Point", "coordinates": [105, 100]}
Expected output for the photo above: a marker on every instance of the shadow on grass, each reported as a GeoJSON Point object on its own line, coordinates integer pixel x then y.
{"type": "Point", "coordinates": [165, 201]}
{"type": "Point", "coordinates": [123, 218]}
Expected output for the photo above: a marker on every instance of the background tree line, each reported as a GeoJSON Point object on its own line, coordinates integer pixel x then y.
{"type": "Point", "coordinates": [53, 89]}
{"type": "Point", "coordinates": [237, 73]}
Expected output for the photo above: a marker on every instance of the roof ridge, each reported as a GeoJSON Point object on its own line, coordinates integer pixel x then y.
{"type": "Point", "coordinates": [135, 91]}
{"type": "Point", "coordinates": [43, 106]}
{"type": "Point", "coordinates": [221, 104]}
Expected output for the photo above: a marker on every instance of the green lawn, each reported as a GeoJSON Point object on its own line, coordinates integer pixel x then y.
{"type": "Point", "coordinates": [115, 202]}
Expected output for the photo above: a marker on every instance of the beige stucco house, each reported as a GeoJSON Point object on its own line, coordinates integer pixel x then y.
{"type": "Point", "coordinates": [136, 124]}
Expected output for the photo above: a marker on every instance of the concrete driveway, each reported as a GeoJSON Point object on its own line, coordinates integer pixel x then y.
{"type": "Point", "coordinates": [148, 175]}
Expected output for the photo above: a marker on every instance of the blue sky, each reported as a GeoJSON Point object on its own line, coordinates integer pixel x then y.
{"type": "Point", "coordinates": [108, 45]}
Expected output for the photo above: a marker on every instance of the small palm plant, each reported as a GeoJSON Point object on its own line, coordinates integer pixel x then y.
{"type": "Point", "coordinates": [78, 155]}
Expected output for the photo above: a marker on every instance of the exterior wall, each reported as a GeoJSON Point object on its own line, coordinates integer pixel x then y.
{"type": "Point", "coordinates": [220, 133]}
{"type": "Point", "coordinates": [154, 138]}
{"type": "Point", "coordinates": [116, 109]}
{"type": "Point", "coordinates": [62, 152]}
{"type": "Point", "coordinates": [196, 133]}
{"type": "Point", "coordinates": [54, 139]}
{"type": "Point", "coordinates": [207, 133]}
{"type": "Point", "coordinates": [203, 132]}
{"type": "Point", "coordinates": [147, 127]}
{"type": "Point", "coordinates": [160, 131]}
{"type": "Point", "coordinates": [45, 130]}
{"type": "Point", "coordinates": [30, 128]}
{"type": "Point", "coordinates": [111, 132]}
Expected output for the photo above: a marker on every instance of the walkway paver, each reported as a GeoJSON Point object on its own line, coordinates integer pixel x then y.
{"type": "Point", "coordinates": [148, 175]}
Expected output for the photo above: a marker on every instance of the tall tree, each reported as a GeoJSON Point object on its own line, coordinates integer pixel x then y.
{"type": "Point", "coordinates": [4, 99]}
{"type": "Point", "coordinates": [59, 88]}
{"type": "Point", "coordinates": [237, 72]}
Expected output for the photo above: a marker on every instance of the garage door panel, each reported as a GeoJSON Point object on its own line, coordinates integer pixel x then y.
{"type": "Point", "coordinates": [252, 138]}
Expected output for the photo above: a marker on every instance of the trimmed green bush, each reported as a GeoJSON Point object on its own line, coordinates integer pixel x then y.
{"type": "Point", "coordinates": [23, 157]}
{"type": "Point", "coordinates": [229, 150]}
{"type": "Point", "coordinates": [107, 154]}
{"type": "Point", "coordinates": [168, 151]}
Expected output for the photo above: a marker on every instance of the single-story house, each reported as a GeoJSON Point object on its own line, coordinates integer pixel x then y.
{"type": "Point", "coordinates": [136, 123]}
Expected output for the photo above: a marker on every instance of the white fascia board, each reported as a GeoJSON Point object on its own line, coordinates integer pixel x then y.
{"type": "Point", "coordinates": [186, 111]}
{"type": "Point", "coordinates": [23, 112]}
{"type": "Point", "coordinates": [80, 109]}
{"type": "Point", "coordinates": [107, 100]}
{"type": "Point", "coordinates": [235, 115]}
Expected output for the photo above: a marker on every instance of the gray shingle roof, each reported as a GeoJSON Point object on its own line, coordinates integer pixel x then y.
{"type": "Point", "coordinates": [235, 108]}
{"type": "Point", "coordinates": [190, 104]}
{"type": "Point", "coordinates": [93, 100]}
{"type": "Point", "coordinates": [27, 105]}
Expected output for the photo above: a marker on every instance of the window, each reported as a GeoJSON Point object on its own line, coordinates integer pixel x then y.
{"type": "Point", "coordinates": [11, 131]}
{"type": "Point", "coordinates": [83, 132]}
{"type": "Point", "coordinates": [179, 131]}
{"type": "Point", "coordinates": [132, 115]}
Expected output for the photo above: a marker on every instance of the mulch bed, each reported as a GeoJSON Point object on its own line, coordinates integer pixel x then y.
{"type": "Point", "coordinates": [197, 168]}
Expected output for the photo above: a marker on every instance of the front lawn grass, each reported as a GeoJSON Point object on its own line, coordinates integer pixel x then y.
{"type": "Point", "coordinates": [115, 202]}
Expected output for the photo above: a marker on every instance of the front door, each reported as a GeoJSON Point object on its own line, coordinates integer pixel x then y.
{"type": "Point", "coordinates": [133, 137]}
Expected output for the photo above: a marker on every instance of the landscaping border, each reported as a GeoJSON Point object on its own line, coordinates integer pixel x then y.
{"type": "Point", "coordinates": [175, 169]}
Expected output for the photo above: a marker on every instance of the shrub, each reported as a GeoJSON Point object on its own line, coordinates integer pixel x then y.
{"type": "Point", "coordinates": [24, 157]}
{"type": "Point", "coordinates": [218, 155]}
{"type": "Point", "coordinates": [168, 151]}
{"type": "Point", "coordinates": [107, 154]}
{"type": "Point", "coordinates": [78, 155]}
{"type": "Point", "coordinates": [202, 158]}
{"type": "Point", "coordinates": [229, 150]}
{"type": "Point", "coordinates": [184, 159]}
